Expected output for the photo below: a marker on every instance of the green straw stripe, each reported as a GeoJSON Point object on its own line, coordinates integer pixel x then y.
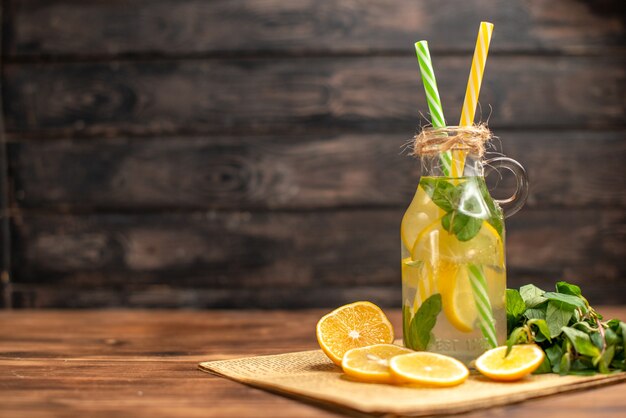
{"type": "Point", "coordinates": [481, 295]}
{"type": "Point", "coordinates": [489, 335]}
{"type": "Point", "coordinates": [489, 332]}
{"type": "Point", "coordinates": [446, 161]}
{"type": "Point", "coordinates": [483, 309]}
{"type": "Point", "coordinates": [484, 313]}
{"type": "Point", "coordinates": [481, 299]}
{"type": "Point", "coordinates": [432, 98]}
{"type": "Point", "coordinates": [430, 84]}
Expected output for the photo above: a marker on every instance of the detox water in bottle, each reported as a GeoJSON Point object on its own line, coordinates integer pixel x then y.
{"type": "Point", "coordinates": [453, 258]}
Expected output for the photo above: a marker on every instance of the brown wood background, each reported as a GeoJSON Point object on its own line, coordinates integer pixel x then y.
{"type": "Point", "coordinates": [244, 153]}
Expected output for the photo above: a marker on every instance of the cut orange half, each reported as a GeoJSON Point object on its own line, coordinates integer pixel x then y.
{"type": "Point", "coordinates": [429, 369]}
{"type": "Point", "coordinates": [521, 361]}
{"type": "Point", "coordinates": [371, 364]}
{"type": "Point", "coordinates": [351, 326]}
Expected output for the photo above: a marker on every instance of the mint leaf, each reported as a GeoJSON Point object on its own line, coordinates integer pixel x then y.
{"type": "Point", "coordinates": [605, 359]}
{"type": "Point", "coordinates": [463, 204]}
{"type": "Point", "coordinates": [597, 340]}
{"type": "Point", "coordinates": [542, 327]}
{"type": "Point", "coordinates": [424, 321]}
{"type": "Point", "coordinates": [569, 289]}
{"type": "Point", "coordinates": [565, 364]}
{"type": "Point", "coordinates": [611, 337]}
{"type": "Point", "coordinates": [515, 307]}
{"type": "Point", "coordinates": [622, 327]}
{"type": "Point", "coordinates": [557, 318]}
{"type": "Point", "coordinates": [618, 364]}
{"type": "Point", "coordinates": [532, 295]}
{"type": "Point", "coordinates": [554, 354]}
{"type": "Point", "coordinates": [584, 326]}
{"type": "Point", "coordinates": [517, 336]}
{"type": "Point", "coordinates": [581, 342]}
{"type": "Point", "coordinates": [441, 192]}
{"type": "Point", "coordinates": [466, 227]}
{"type": "Point", "coordinates": [535, 313]}
{"type": "Point", "coordinates": [581, 363]}
{"type": "Point", "coordinates": [544, 367]}
{"type": "Point", "coordinates": [573, 301]}
{"type": "Point", "coordinates": [463, 226]}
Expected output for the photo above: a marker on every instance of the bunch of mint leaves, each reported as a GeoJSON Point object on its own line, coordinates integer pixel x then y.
{"type": "Point", "coordinates": [570, 332]}
{"type": "Point", "coordinates": [466, 204]}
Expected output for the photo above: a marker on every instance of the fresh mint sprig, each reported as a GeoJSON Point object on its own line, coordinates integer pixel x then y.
{"type": "Point", "coordinates": [570, 331]}
{"type": "Point", "coordinates": [466, 205]}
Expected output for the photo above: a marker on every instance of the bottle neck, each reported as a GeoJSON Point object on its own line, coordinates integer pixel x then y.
{"type": "Point", "coordinates": [440, 165]}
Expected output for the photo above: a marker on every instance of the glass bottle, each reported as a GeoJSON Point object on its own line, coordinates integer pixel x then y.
{"type": "Point", "coordinates": [453, 256]}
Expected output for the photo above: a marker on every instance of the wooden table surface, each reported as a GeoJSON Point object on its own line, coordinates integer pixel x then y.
{"type": "Point", "coordinates": [144, 364]}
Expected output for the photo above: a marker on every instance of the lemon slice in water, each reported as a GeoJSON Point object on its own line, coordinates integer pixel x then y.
{"type": "Point", "coordinates": [417, 217]}
{"type": "Point", "coordinates": [450, 258]}
{"type": "Point", "coordinates": [457, 296]}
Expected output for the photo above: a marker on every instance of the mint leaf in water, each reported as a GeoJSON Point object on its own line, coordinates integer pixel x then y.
{"type": "Point", "coordinates": [464, 227]}
{"type": "Point", "coordinates": [466, 206]}
{"type": "Point", "coordinates": [423, 322]}
{"type": "Point", "coordinates": [441, 192]}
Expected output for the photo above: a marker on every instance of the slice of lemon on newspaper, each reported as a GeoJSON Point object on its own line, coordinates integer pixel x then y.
{"type": "Point", "coordinates": [371, 364]}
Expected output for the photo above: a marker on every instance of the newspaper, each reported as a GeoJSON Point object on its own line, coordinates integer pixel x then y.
{"type": "Point", "coordinates": [310, 375]}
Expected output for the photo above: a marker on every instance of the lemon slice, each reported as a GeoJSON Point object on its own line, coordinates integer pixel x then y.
{"type": "Point", "coordinates": [449, 259]}
{"type": "Point", "coordinates": [521, 361]}
{"type": "Point", "coordinates": [428, 369]}
{"type": "Point", "coordinates": [457, 296]}
{"type": "Point", "coordinates": [435, 243]}
{"type": "Point", "coordinates": [371, 364]}
{"type": "Point", "coordinates": [419, 214]}
{"type": "Point", "coordinates": [351, 326]}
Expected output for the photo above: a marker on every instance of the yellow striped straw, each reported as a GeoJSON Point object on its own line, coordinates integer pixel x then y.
{"type": "Point", "coordinates": [473, 89]}
{"type": "Point", "coordinates": [476, 273]}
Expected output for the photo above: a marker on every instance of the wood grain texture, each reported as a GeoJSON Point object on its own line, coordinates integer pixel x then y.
{"type": "Point", "coordinates": [247, 259]}
{"type": "Point", "coordinates": [175, 27]}
{"type": "Point", "coordinates": [143, 364]}
{"type": "Point", "coordinates": [191, 153]}
{"type": "Point", "coordinates": [367, 170]}
{"type": "Point", "coordinates": [303, 95]}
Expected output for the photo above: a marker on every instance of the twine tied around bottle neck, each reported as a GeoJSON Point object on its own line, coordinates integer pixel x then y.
{"type": "Point", "coordinates": [432, 141]}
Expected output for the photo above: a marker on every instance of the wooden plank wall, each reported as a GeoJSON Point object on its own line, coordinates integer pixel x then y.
{"type": "Point", "coordinates": [242, 153]}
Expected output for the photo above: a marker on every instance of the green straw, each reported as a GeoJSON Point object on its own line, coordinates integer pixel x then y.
{"type": "Point", "coordinates": [432, 96]}
{"type": "Point", "coordinates": [483, 305]}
